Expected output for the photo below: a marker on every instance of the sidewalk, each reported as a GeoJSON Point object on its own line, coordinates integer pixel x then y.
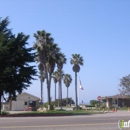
{"type": "Point", "coordinates": [15, 112]}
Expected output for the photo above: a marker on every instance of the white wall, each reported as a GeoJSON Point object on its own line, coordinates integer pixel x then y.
{"type": "Point", "coordinates": [18, 106]}
{"type": "Point", "coordinates": [6, 107]}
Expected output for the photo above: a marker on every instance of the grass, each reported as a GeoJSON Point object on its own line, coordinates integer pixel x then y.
{"type": "Point", "coordinates": [59, 113]}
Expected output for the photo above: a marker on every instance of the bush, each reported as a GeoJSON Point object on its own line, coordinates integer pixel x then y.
{"type": "Point", "coordinates": [103, 106]}
{"type": "Point", "coordinates": [89, 106]}
{"type": "Point", "coordinates": [5, 113]}
{"type": "Point", "coordinates": [79, 108]}
{"type": "Point", "coordinates": [46, 106]}
{"type": "Point", "coordinates": [52, 107]}
{"type": "Point", "coordinates": [123, 108]}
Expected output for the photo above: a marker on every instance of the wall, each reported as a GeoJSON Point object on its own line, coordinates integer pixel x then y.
{"type": "Point", "coordinates": [126, 102]}
{"type": "Point", "coordinates": [5, 106]}
{"type": "Point", "coordinates": [18, 106]}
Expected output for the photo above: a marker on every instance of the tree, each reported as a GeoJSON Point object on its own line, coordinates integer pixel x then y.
{"type": "Point", "coordinates": [125, 85]}
{"type": "Point", "coordinates": [76, 61]}
{"type": "Point", "coordinates": [94, 102]}
{"type": "Point", "coordinates": [59, 76]}
{"type": "Point", "coordinates": [52, 60]}
{"type": "Point", "coordinates": [55, 81]}
{"type": "Point", "coordinates": [15, 71]}
{"type": "Point", "coordinates": [67, 81]}
{"type": "Point", "coordinates": [61, 60]}
{"type": "Point", "coordinates": [42, 78]}
{"type": "Point", "coordinates": [47, 54]}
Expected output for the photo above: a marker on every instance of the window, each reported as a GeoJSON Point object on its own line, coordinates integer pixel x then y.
{"type": "Point", "coordinates": [25, 103]}
{"type": "Point", "coordinates": [115, 101]}
{"type": "Point", "coordinates": [32, 103]}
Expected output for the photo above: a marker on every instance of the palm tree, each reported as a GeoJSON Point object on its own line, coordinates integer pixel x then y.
{"type": "Point", "coordinates": [76, 61]}
{"type": "Point", "coordinates": [59, 76]}
{"type": "Point", "coordinates": [55, 81]}
{"type": "Point", "coordinates": [60, 62]}
{"type": "Point", "coordinates": [67, 81]}
{"type": "Point", "coordinates": [47, 54]}
{"type": "Point", "coordinates": [42, 78]}
{"type": "Point", "coordinates": [51, 60]}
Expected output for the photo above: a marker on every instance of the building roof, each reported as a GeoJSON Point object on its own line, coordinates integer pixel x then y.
{"type": "Point", "coordinates": [117, 96]}
{"type": "Point", "coordinates": [29, 95]}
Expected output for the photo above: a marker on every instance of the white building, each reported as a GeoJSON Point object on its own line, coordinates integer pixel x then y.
{"type": "Point", "coordinates": [24, 101]}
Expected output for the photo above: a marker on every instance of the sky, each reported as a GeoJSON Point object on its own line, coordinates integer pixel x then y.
{"type": "Point", "coordinates": [98, 30]}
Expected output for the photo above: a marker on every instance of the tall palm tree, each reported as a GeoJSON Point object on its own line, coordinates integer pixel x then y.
{"type": "Point", "coordinates": [51, 60]}
{"type": "Point", "coordinates": [47, 53]}
{"type": "Point", "coordinates": [40, 46]}
{"type": "Point", "coordinates": [67, 81]}
{"type": "Point", "coordinates": [59, 76]}
{"type": "Point", "coordinates": [60, 62]}
{"type": "Point", "coordinates": [76, 61]}
{"type": "Point", "coordinates": [42, 78]}
{"type": "Point", "coordinates": [55, 81]}
{"type": "Point", "coordinates": [41, 68]}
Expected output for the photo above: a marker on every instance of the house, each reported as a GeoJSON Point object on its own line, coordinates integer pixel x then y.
{"type": "Point", "coordinates": [117, 100]}
{"type": "Point", "coordinates": [24, 101]}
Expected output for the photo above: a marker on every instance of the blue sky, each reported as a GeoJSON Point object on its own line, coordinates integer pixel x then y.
{"type": "Point", "coordinates": [97, 30]}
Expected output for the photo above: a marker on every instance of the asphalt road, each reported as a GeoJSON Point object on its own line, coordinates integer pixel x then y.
{"type": "Point", "coordinates": [108, 121]}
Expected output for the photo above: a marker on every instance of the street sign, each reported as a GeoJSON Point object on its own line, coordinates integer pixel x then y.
{"type": "Point", "coordinates": [99, 98]}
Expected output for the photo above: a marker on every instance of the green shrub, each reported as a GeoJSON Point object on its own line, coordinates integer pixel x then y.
{"type": "Point", "coordinates": [103, 106]}
{"type": "Point", "coordinates": [89, 106]}
{"type": "Point", "coordinates": [43, 105]}
{"type": "Point", "coordinates": [46, 106]}
{"type": "Point", "coordinates": [123, 108]}
{"type": "Point", "coordinates": [51, 106]}
{"type": "Point", "coordinates": [5, 113]}
{"type": "Point", "coordinates": [79, 108]}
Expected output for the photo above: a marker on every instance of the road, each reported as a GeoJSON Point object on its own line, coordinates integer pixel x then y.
{"type": "Point", "coordinates": [108, 121]}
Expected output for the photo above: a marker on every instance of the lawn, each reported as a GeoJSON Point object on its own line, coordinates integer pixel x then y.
{"type": "Point", "coordinates": [56, 113]}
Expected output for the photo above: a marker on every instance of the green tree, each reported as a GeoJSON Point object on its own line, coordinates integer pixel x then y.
{"type": "Point", "coordinates": [15, 71]}
{"type": "Point", "coordinates": [76, 61]}
{"type": "Point", "coordinates": [67, 81]}
{"type": "Point", "coordinates": [125, 85]}
{"type": "Point", "coordinates": [94, 102]}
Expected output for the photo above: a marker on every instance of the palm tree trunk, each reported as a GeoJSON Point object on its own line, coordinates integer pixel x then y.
{"type": "Point", "coordinates": [48, 84]}
{"type": "Point", "coordinates": [0, 102]}
{"type": "Point", "coordinates": [67, 98]}
{"type": "Point", "coordinates": [59, 95]}
{"type": "Point", "coordinates": [48, 94]}
{"type": "Point", "coordinates": [76, 96]}
{"type": "Point", "coordinates": [41, 91]}
{"type": "Point", "coordinates": [49, 97]}
{"type": "Point", "coordinates": [55, 93]}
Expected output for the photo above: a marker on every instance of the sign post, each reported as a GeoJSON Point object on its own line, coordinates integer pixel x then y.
{"type": "Point", "coordinates": [99, 98]}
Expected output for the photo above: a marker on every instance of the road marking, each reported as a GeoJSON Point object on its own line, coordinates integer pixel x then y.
{"type": "Point", "coordinates": [10, 127]}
